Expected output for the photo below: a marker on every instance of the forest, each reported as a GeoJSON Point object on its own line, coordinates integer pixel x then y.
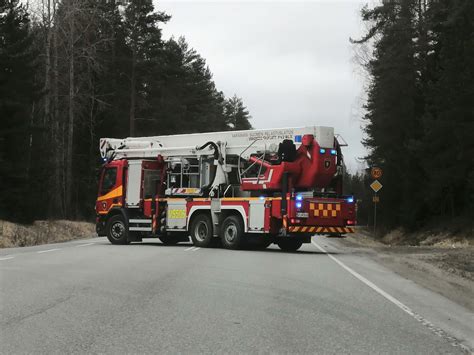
{"type": "Point", "coordinates": [419, 112]}
{"type": "Point", "coordinates": [73, 71]}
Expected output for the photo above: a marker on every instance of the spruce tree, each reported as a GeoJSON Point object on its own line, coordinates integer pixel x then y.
{"type": "Point", "coordinates": [448, 143]}
{"type": "Point", "coordinates": [143, 36]}
{"type": "Point", "coordinates": [237, 115]}
{"type": "Point", "coordinates": [393, 128]}
{"type": "Point", "coordinates": [17, 93]}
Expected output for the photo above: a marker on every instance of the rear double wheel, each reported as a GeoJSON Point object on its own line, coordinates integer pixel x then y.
{"type": "Point", "coordinates": [290, 244]}
{"type": "Point", "coordinates": [201, 230]}
{"type": "Point", "coordinates": [232, 232]}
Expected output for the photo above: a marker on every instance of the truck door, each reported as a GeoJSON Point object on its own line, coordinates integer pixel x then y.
{"type": "Point", "coordinates": [110, 192]}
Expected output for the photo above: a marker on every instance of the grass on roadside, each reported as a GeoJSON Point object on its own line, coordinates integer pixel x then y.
{"type": "Point", "coordinates": [43, 232]}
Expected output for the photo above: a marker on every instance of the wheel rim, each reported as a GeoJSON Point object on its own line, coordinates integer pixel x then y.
{"type": "Point", "coordinates": [117, 231]}
{"type": "Point", "coordinates": [201, 232]}
{"type": "Point", "coordinates": [230, 233]}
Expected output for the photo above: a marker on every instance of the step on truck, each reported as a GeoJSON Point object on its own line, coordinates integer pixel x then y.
{"type": "Point", "coordinates": [259, 186]}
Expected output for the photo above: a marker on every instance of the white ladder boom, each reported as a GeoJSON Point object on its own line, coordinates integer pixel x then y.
{"type": "Point", "coordinates": [231, 142]}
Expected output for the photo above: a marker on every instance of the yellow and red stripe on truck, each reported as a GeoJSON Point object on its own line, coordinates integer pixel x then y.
{"type": "Point", "coordinates": [316, 229]}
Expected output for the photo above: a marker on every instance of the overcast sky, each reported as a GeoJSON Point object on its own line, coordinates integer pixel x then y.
{"type": "Point", "coordinates": [291, 62]}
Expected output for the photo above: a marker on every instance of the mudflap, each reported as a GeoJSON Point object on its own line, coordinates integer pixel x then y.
{"type": "Point", "coordinates": [100, 226]}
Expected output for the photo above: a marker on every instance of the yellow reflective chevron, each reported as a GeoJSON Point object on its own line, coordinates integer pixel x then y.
{"type": "Point", "coordinates": [117, 192]}
{"type": "Point", "coordinates": [316, 229]}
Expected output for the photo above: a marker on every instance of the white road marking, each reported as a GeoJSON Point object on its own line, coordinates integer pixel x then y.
{"type": "Point", "coordinates": [47, 251]}
{"type": "Point", "coordinates": [83, 245]}
{"type": "Point", "coordinates": [189, 249]}
{"type": "Point", "coordinates": [438, 331]}
{"type": "Point", "coordinates": [196, 249]}
{"type": "Point", "coordinates": [7, 258]}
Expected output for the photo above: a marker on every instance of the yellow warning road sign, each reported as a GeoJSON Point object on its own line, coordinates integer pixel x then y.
{"type": "Point", "coordinates": [376, 186]}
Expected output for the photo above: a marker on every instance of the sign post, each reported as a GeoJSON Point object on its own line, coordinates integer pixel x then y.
{"type": "Point", "coordinates": [375, 210]}
{"type": "Point", "coordinates": [375, 186]}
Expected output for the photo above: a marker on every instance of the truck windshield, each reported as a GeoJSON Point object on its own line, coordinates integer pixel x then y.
{"type": "Point", "coordinates": [108, 180]}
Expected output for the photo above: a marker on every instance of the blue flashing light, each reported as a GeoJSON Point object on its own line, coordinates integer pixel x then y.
{"type": "Point", "coordinates": [333, 152]}
{"type": "Point", "coordinates": [322, 150]}
{"type": "Point", "coordinates": [298, 204]}
{"type": "Point", "coordinates": [299, 197]}
{"type": "Point", "coordinates": [350, 199]}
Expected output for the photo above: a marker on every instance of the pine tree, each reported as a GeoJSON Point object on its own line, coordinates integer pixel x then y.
{"type": "Point", "coordinates": [393, 127]}
{"type": "Point", "coordinates": [143, 37]}
{"type": "Point", "coordinates": [448, 145]}
{"type": "Point", "coordinates": [237, 115]}
{"type": "Point", "coordinates": [17, 94]}
{"type": "Point", "coordinates": [185, 98]}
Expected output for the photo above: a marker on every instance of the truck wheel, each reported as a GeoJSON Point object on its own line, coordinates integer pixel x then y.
{"type": "Point", "coordinates": [167, 240]}
{"type": "Point", "coordinates": [117, 230]}
{"type": "Point", "coordinates": [290, 244]}
{"type": "Point", "coordinates": [232, 233]}
{"type": "Point", "coordinates": [201, 230]}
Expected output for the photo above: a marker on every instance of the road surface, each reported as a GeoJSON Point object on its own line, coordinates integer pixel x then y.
{"type": "Point", "coordinates": [89, 296]}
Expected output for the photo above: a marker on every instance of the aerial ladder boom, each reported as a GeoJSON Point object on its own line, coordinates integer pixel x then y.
{"type": "Point", "coordinates": [240, 143]}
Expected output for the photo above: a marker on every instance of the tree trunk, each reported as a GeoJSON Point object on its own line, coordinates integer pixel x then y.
{"type": "Point", "coordinates": [70, 124]}
{"type": "Point", "coordinates": [47, 75]}
{"type": "Point", "coordinates": [133, 94]}
{"type": "Point", "coordinates": [58, 136]}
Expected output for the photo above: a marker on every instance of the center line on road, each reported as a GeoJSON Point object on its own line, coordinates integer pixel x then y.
{"type": "Point", "coordinates": [438, 331]}
{"type": "Point", "coordinates": [47, 251]}
{"type": "Point", "coordinates": [189, 249]}
{"type": "Point", "coordinates": [7, 258]}
{"type": "Point", "coordinates": [84, 245]}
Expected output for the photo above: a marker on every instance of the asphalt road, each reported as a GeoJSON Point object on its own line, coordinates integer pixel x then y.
{"type": "Point", "coordinates": [92, 297]}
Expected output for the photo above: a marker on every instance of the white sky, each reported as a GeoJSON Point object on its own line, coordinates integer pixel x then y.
{"type": "Point", "coordinates": [291, 62]}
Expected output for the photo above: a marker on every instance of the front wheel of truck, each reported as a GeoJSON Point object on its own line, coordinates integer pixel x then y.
{"type": "Point", "coordinates": [117, 230]}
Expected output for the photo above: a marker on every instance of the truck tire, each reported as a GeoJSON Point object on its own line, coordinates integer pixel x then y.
{"type": "Point", "coordinates": [289, 244]}
{"type": "Point", "coordinates": [201, 230]}
{"type": "Point", "coordinates": [168, 240]}
{"type": "Point", "coordinates": [116, 230]}
{"type": "Point", "coordinates": [232, 232]}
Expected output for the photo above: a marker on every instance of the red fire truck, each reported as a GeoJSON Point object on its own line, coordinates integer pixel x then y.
{"type": "Point", "coordinates": [269, 185]}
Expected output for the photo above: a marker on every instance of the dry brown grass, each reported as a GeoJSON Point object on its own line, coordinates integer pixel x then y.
{"type": "Point", "coordinates": [430, 238]}
{"type": "Point", "coordinates": [43, 232]}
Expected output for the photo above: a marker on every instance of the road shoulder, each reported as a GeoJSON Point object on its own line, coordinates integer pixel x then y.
{"type": "Point", "coordinates": [446, 271]}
